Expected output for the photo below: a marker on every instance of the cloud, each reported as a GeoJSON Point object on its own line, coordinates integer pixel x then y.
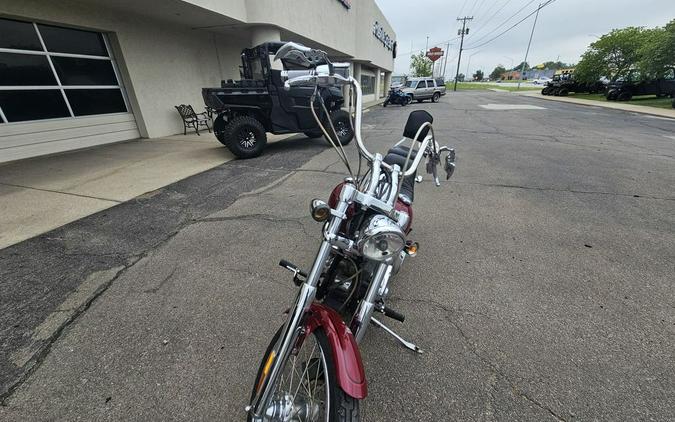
{"type": "Point", "coordinates": [564, 29]}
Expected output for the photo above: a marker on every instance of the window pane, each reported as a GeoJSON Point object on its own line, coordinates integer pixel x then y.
{"type": "Point", "coordinates": [19, 35]}
{"type": "Point", "coordinates": [20, 106]}
{"type": "Point", "coordinates": [76, 71]}
{"type": "Point", "coordinates": [75, 41]}
{"type": "Point", "coordinates": [95, 101]}
{"type": "Point", "coordinates": [25, 69]}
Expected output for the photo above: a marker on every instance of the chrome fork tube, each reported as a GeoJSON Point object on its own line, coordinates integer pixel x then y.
{"type": "Point", "coordinates": [361, 319]}
{"type": "Point", "coordinates": [303, 302]}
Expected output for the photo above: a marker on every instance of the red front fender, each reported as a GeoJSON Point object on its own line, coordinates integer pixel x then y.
{"type": "Point", "coordinates": [346, 355]}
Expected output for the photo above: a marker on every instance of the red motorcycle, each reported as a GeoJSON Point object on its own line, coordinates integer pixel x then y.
{"type": "Point", "coordinates": [312, 369]}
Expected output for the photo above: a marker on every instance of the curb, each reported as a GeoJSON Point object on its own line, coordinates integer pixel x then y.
{"type": "Point", "coordinates": [652, 111]}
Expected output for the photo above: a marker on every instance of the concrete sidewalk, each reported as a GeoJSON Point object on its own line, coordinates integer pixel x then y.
{"type": "Point", "coordinates": [40, 194]}
{"type": "Point", "coordinates": [654, 111]}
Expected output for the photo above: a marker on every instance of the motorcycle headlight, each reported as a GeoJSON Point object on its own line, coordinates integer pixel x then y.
{"type": "Point", "coordinates": [381, 239]}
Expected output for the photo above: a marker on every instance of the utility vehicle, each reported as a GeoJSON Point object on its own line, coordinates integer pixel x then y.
{"type": "Point", "coordinates": [259, 103]}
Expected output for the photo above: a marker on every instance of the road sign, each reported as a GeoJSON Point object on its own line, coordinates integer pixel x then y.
{"type": "Point", "coordinates": [434, 53]}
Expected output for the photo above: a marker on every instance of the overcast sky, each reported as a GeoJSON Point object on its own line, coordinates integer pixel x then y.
{"type": "Point", "coordinates": [564, 29]}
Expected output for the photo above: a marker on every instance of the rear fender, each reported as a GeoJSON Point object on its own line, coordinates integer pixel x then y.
{"type": "Point", "coordinates": [348, 365]}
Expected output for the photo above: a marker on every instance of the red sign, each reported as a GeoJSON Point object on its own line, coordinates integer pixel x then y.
{"type": "Point", "coordinates": [434, 53]}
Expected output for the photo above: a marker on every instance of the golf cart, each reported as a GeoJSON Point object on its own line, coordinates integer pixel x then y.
{"type": "Point", "coordinates": [259, 103]}
{"type": "Point", "coordinates": [563, 83]}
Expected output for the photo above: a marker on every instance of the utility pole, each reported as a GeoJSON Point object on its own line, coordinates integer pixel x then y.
{"type": "Point", "coordinates": [463, 32]}
{"type": "Point", "coordinates": [445, 65]}
{"type": "Point", "coordinates": [522, 68]}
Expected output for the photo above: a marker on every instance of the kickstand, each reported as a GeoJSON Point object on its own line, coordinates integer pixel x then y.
{"type": "Point", "coordinates": [400, 339]}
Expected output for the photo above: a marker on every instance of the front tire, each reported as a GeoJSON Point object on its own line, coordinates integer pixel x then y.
{"type": "Point", "coordinates": [435, 97]}
{"type": "Point", "coordinates": [385, 103]}
{"type": "Point", "coordinates": [341, 407]}
{"type": "Point", "coordinates": [244, 136]}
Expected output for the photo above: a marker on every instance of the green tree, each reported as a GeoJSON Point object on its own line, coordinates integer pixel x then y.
{"type": "Point", "coordinates": [420, 65]}
{"type": "Point", "coordinates": [613, 55]}
{"type": "Point", "coordinates": [555, 65]}
{"type": "Point", "coordinates": [497, 72]}
{"type": "Point", "coordinates": [527, 66]}
{"type": "Point", "coordinates": [478, 76]}
{"type": "Point", "coordinates": [657, 54]}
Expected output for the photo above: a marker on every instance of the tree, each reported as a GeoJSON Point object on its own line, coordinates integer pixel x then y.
{"type": "Point", "coordinates": [657, 53]}
{"type": "Point", "coordinates": [613, 55]}
{"type": "Point", "coordinates": [555, 65]}
{"type": "Point", "coordinates": [497, 72]}
{"type": "Point", "coordinates": [527, 66]}
{"type": "Point", "coordinates": [420, 65]}
{"type": "Point", "coordinates": [478, 76]}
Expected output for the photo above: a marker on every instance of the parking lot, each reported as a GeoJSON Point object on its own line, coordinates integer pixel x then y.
{"type": "Point", "coordinates": [543, 289]}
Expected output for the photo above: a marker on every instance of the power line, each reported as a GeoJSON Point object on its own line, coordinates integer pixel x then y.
{"type": "Point", "coordinates": [504, 22]}
{"type": "Point", "coordinates": [462, 8]}
{"type": "Point", "coordinates": [511, 27]}
{"type": "Point", "coordinates": [480, 28]}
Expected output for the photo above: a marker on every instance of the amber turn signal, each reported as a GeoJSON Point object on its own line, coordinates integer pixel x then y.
{"type": "Point", "coordinates": [411, 248]}
{"type": "Point", "coordinates": [320, 210]}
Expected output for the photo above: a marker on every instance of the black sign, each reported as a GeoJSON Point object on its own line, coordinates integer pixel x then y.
{"type": "Point", "coordinates": [378, 31]}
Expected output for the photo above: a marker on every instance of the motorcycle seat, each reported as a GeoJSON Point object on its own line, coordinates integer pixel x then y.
{"type": "Point", "coordinates": [403, 151]}
{"type": "Point", "coordinates": [408, 187]}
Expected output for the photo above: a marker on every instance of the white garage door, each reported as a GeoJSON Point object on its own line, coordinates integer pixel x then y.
{"type": "Point", "coordinates": [59, 90]}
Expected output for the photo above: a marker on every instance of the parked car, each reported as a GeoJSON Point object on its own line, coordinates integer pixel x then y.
{"type": "Point", "coordinates": [421, 89]}
{"type": "Point", "coordinates": [259, 103]}
{"type": "Point", "coordinates": [541, 81]}
{"type": "Point", "coordinates": [625, 88]}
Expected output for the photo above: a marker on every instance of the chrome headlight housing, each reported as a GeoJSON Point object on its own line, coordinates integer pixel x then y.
{"type": "Point", "coordinates": [382, 239]}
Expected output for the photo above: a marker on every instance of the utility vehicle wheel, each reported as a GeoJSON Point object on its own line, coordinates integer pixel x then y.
{"type": "Point", "coordinates": [219, 126]}
{"type": "Point", "coordinates": [342, 122]}
{"type": "Point", "coordinates": [562, 92]}
{"type": "Point", "coordinates": [245, 137]}
{"type": "Point", "coordinates": [612, 94]}
{"type": "Point", "coordinates": [673, 103]}
{"type": "Point", "coordinates": [545, 91]}
{"type": "Point", "coordinates": [555, 91]}
{"type": "Point", "coordinates": [435, 97]}
{"type": "Point", "coordinates": [624, 96]}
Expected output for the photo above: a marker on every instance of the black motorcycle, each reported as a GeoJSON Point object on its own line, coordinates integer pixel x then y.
{"type": "Point", "coordinates": [396, 96]}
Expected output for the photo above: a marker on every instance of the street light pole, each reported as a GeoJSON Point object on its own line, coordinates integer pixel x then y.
{"type": "Point", "coordinates": [461, 46]}
{"type": "Point", "coordinates": [522, 68]}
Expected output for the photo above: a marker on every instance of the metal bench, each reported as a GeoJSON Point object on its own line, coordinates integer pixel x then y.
{"type": "Point", "coordinates": [192, 119]}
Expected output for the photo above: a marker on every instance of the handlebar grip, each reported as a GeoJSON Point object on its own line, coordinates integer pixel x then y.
{"type": "Point", "coordinates": [292, 267]}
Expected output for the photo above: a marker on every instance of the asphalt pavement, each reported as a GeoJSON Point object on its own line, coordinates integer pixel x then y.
{"type": "Point", "coordinates": [543, 289]}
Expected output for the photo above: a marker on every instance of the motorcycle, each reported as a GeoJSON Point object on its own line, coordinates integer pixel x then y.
{"type": "Point", "coordinates": [312, 369]}
{"type": "Point", "coordinates": [397, 96]}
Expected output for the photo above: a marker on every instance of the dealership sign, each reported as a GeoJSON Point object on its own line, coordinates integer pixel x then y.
{"type": "Point", "coordinates": [378, 31]}
{"type": "Point", "coordinates": [434, 53]}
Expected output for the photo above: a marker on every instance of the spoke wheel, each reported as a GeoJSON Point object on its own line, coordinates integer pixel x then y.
{"type": "Point", "coordinates": [307, 389]}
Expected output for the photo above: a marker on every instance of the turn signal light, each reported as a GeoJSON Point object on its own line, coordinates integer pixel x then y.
{"type": "Point", "coordinates": [266, 370]}
{"type": "Point", "coordinates": [411, 248]}
{"type": "Point", "coordinates": [320, 210]}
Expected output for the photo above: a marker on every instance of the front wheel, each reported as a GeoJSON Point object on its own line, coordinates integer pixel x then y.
{"type": "Point", "coordinates": [385, 103]}
{"type": "Point", "coordinates": [307, 387]}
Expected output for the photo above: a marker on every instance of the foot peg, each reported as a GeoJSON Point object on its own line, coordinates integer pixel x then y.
{"type": "Point", "coordinates": [405, 343]}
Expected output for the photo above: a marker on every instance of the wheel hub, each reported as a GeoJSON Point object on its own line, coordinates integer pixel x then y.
{"type": "Point", "coordinates": [247, 139]}
{"type": "Point", "coordinates": [285, 409]}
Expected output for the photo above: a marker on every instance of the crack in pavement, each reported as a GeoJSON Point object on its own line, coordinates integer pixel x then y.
{"type": "Point", "coordinates": [474, 350]}
{"type": "Point", "coordinates": [503, 185]}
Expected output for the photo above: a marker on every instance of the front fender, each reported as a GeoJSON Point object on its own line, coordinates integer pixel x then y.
{"type": "Point", "coordinates": [348, 365]}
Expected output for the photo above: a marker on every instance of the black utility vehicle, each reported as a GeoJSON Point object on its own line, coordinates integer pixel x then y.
{"type": "Point", "coordinates": [625, 88]}
{"type": "Point", "coordinates": [258, 103]}
{"type": "Point", "coordinates": [564, 83]}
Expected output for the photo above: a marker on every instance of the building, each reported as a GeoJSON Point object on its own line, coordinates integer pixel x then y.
{"type": "Point", "coordinates": [80, 73]}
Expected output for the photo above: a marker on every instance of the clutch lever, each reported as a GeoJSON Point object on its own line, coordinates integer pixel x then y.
{"type": "Point", "coordinates": [449, 161]}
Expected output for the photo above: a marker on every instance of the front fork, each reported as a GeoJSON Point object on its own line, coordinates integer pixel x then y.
{"type": "Point", "coordinates": [304, 300]}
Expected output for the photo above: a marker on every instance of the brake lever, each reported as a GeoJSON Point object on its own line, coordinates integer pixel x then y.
{"type": "Point", "coordinates": [432, 166]}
